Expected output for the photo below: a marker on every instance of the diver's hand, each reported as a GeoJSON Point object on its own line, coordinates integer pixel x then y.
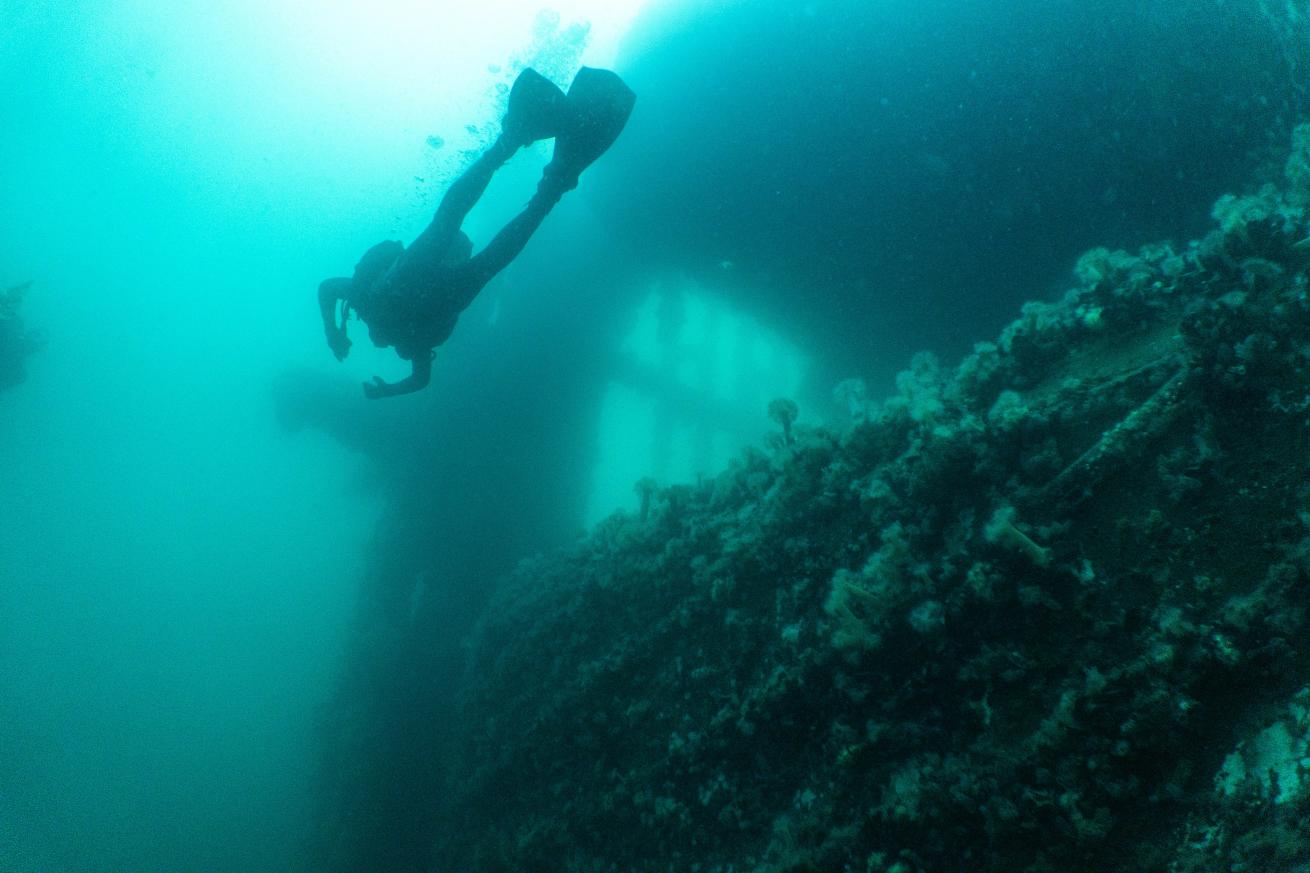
{"type": "Point", "coordinates": [338, 343]}
{"type": "Point", "coordinates": [377, 388]}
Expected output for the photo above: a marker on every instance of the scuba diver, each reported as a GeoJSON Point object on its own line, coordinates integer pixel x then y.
{"type": "Point", "coordinates": [410, 298]}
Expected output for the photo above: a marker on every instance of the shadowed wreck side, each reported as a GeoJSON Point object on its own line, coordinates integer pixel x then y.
{"type": "Point", "coordinates": [1046, 611]}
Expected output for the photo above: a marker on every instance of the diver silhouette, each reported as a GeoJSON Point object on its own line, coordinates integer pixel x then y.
{"type": "Point", "coordinates": [410, 298]}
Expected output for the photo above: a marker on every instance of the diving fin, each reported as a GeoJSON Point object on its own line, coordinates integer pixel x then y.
{"type": "Point", "coordinates": [599, 106]}
{"type": "Point", "coordinates": [537, 110]}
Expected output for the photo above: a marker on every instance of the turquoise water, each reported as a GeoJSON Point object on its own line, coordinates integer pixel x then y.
{"type": "Point", "coordinates": [214, 553]}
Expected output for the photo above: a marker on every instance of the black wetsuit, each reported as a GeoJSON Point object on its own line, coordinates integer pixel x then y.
{"type": "Point", "coordinates": [410, 298]}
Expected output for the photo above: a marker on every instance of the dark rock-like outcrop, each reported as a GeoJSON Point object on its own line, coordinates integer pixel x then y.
{"type": "Point", "coordinates": [1046, 612]}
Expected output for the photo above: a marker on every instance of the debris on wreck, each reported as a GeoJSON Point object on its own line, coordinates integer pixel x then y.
{"type": "Point", "coordinates": [1046, 611]}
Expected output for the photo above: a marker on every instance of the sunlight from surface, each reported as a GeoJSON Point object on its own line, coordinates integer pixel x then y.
{"type": "Point", "coordinates": [696, 379]}
{"type": "Point", "coordinates": [350, 84]}
{"type": "Point", "coordinates": [178, 176]}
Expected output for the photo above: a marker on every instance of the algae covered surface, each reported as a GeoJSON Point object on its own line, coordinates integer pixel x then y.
{"type": "Point", "coordinates": [1043, 611]}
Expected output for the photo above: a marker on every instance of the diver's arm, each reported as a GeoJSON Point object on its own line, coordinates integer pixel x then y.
{"type": "Point", "coordinates": [417, 380]}
{"type": "Point", "coordinates": [329, 292]}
